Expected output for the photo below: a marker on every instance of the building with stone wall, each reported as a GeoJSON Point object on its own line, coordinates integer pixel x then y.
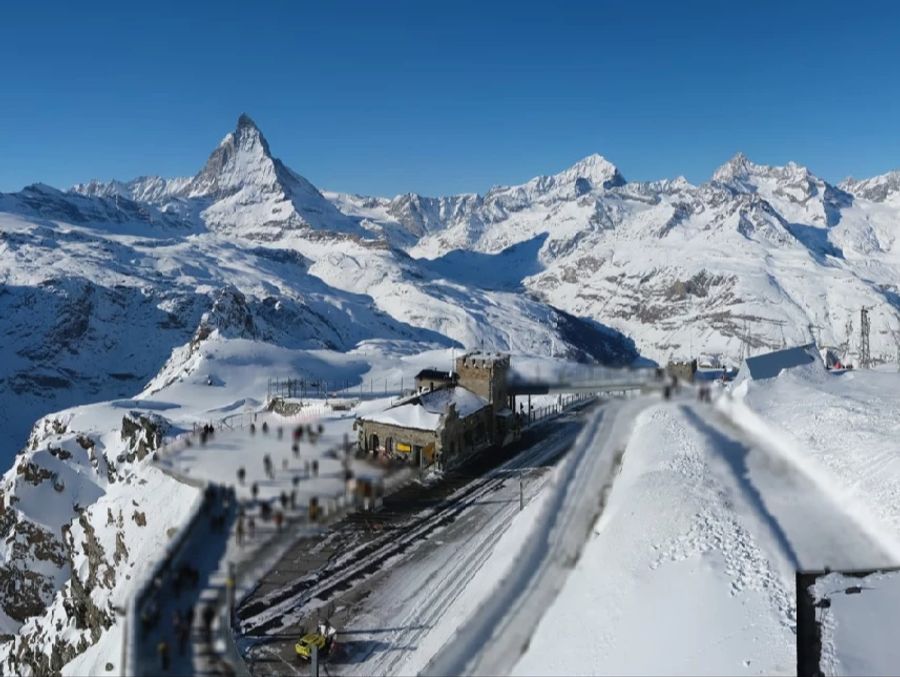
{"type": "Point", "coordinates": [449, 418]}
{"type": "Point", "coordinates": [485, 374]}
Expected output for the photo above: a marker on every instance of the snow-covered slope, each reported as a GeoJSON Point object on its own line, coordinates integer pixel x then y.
{"type": "Point", "coordinates": [83, 516]}
{"type": "Point", "coordinates": [755, 258]}
{"type": "Point", "coordinates": [760, 256]}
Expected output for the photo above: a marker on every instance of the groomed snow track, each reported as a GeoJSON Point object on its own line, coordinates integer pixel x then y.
{"type": "Point", "coordinates": [495, 636]}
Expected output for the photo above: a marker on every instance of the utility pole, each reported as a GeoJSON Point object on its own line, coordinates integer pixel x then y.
{"type": "Point", "coordinates": [865, 357]}
{"type": "Point", "coordinates": [815, 336]}
{"type": "Point", "coordinates": [845, 346]}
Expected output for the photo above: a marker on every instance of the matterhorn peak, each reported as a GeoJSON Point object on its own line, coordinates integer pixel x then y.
{"type": "Point", "coordinates": [246, 122]}
{"type": "Point", "coordinates": [242, 157]}
{"type": "Point", "coordinates": [248, 134]}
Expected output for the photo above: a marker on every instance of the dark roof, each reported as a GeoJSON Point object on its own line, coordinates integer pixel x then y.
{"type": "Point", "coordinates": [436, 375]}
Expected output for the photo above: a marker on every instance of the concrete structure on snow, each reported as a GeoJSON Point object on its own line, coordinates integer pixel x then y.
{"type": "Point", "coordinates": [770, 365]}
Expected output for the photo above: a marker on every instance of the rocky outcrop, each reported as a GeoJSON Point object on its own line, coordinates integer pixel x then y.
{"type": "Point", "coordinates": [66, 579]}
{"type": "Point", "coordinates": [142, 434]}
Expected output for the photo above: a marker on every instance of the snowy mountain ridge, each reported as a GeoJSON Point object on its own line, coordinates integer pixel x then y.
{"type": "Point", "coordinates": [635, 255]}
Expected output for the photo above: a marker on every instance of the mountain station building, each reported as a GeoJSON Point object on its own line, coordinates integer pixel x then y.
{"type": "Point", "coordinates": [451, 416]}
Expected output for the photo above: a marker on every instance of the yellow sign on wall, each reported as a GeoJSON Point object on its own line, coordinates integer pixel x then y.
{"type": "Point", "coordinates": [405, 448]}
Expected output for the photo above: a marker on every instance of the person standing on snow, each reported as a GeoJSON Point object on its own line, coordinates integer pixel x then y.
{"type": "Point", "coordinates": [163, 650]}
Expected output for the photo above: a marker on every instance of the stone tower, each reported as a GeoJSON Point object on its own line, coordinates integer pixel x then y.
{"type": "Point", "coordinates": [485, 374]}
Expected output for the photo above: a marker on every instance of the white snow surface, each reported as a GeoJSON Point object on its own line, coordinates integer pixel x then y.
{"type": "Point", "coordinates": [844, 427]}
{"type": "Point", "coordinates": [859, 630]}
{"type": "Point", "coordinates": [675, 578]}
{"type": "Point", "coordinates": [424, 411]}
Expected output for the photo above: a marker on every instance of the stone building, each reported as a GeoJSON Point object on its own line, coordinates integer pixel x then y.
{"type": "Point", "coordinates": [450, 417]}
{"type": "Point", "coordinates": [684, 370]}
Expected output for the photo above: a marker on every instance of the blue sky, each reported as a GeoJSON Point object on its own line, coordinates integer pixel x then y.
{"type": "Point", "coordinates": [441, 97]}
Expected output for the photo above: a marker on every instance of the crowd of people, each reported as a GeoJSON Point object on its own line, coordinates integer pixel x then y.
{"type": "Point", "coordinates": [172, 582]}
{"type": "Point", "coordinates": [176, 582]}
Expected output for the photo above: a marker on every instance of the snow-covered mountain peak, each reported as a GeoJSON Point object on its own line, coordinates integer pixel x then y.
{"type": "Point", "coordinates": [881, 188]}
{"type": "Point", "coordinates": [592, 173]}
{"type": "Point", "coordinates": [242, 158]}
{"type": "Point", "coordinates": [738, 167]}
{"type": "Point", "coordinates": [740, 172]}
{"type": "Point", "coordinates": [595, 168]}
{"type": "Point", "coordinates": [242, 189]}
{"type": "Point", "coordinates": [245, 122]}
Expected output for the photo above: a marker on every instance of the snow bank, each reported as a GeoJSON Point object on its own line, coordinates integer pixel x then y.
{"type": "Point", "coordinates": [840, 430]}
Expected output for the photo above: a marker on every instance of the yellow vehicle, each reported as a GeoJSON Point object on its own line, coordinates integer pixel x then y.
{"type": "Point", "coordinates": [322, 639]}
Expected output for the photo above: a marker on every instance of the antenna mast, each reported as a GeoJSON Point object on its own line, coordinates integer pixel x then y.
{"type": "Point", "coordinates": [865, 356]}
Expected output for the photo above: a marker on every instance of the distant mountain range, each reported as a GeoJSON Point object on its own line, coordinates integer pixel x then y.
{"type": "Point", "coordinates": [582, 262]}
{"type": "Point", "coordinates": [754, 258]}
{"type": "Point", "coordinates": [101, 284]}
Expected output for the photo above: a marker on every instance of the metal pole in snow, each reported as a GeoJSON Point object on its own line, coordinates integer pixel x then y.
{"type": "Point", "coordinates": [314, 668]}
{"type": "Point", "coordinates": [521, 496]}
